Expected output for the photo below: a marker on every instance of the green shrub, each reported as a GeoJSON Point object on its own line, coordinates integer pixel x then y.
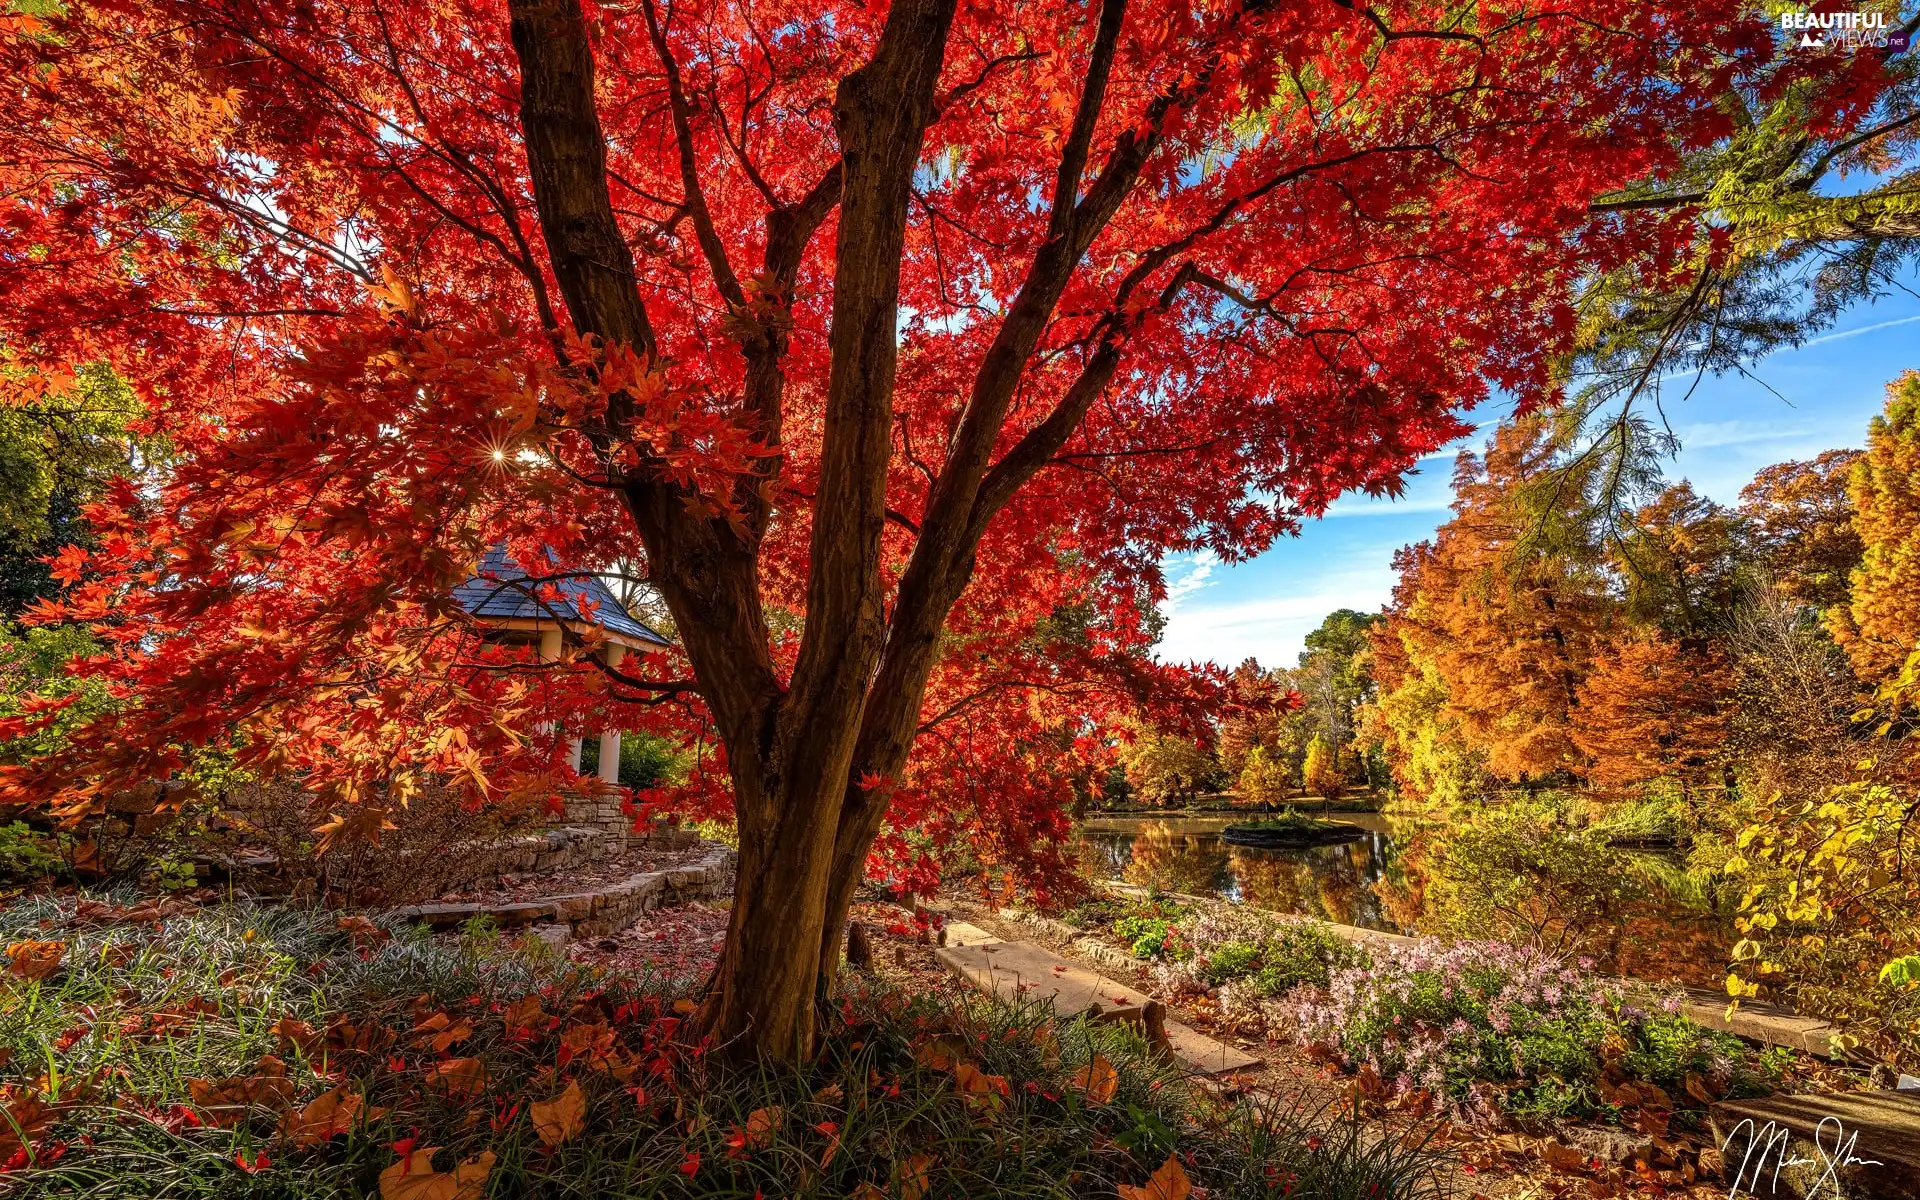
{"type": "Point", "coordinates": [1147, 935]}
{"type": "Point", "coordinates": [1303, 952]}
{"type": "Point", "coordinates": [26, 855]}
{"type": "Point", "coordinates": [1231, 961]}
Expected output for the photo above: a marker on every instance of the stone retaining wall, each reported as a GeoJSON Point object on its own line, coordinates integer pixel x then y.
{"type": "Point", "coordinates": [552, 850]}
{"type": "Point", "coordinates": [598, 913]}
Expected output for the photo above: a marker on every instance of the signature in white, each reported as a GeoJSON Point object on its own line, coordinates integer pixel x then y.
{"type": "Point", "coordinates": [1768, 1151]}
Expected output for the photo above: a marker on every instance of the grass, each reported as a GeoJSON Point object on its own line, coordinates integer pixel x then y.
{"type": "Point", "coordinates": [183, 1058]}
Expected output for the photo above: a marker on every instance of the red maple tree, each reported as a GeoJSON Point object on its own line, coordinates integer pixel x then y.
{"type": "Point", "coordinates": [893, 344]}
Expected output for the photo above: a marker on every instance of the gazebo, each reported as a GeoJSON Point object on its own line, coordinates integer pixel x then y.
{"type": "Point", "coordinates": [502, 598]}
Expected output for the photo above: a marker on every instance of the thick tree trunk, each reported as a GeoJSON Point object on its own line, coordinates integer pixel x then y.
{"type": "Point", "coordinates": [852, 707]}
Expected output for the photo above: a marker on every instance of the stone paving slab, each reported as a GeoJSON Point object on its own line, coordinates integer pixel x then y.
{"type": "Point", "coordinates": [1871, 1140]}
{"type": "Point", "coordinates": [1023, 971]}
{"type": "Point", "coordinates": [959, 933]}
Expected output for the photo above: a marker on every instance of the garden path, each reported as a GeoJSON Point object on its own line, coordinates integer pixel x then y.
{"type": "Point", "coordinates": [1019, 971]}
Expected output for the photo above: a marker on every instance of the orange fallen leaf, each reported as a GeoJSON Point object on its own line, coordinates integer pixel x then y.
{"type": "Point", "coordinates": [1098, 1080]}
{"type": "Point", "coordinates": [683, 1006]}
{"type": "Point", "coordinates": [294, 1032]}
{"type": "Point", "coordinates": [458, 1076]}
{"type": "Point", "coordinates": [228, 1102]}
{"type": "Point", "coordinates": [940, 1053]}
{"type": "Point", "coordinates": [24, 1115]}
{"type": "Point", "coordinates": [324, 1118]}
{"type": "Point", "coordinates": [34, 960]}
{"type": "Point", "coordinates": [1563, 1157]}
{"type": "Point", "coordinates": [1170, 1182]}
{"type": "Point", "coordinates": [459, 1031]}
{"type": "Point", "coordinates": [524, 1012]}
{"type": "Point", "coordinates": [413, 1177]}
{"type": "Point", "coordinates": [559, 1119]}
{"type": "Point", "coordinates": [362, 930]}
{"type": "Point", "coordinates": [913, 1177]}
{"type": "Point", "coordinates": [762, 1124]}
{"type": "Point", "coordinates": [983, 1092]}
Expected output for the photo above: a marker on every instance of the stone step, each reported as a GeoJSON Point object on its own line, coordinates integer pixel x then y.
{"type": "Point", "coordinates": [1021, 971]}
{"type": "Point", "coordinates": [1859, 1143]}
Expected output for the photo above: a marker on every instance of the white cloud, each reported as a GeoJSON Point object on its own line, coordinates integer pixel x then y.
{"type": "Point", "coordinates": [1847, 333]}
{"type": "Point", "coordinates": [1272, 628]}
{"type": "Point", "coordinates": [1367, 506]}
{"type": "Point", "coordinates": [1186, 575]}
{"type": "Point", "coordinates": [1707, 435]}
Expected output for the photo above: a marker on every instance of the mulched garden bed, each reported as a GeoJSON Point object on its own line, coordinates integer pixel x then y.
{"type": "Point", "coordinates": [522, 887]}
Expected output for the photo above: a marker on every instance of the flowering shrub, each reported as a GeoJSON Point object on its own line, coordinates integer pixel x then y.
{"type": "Point", "coordinates": [1249, 957]}
{"type": "Point", "coordinates": [1489, 1025]}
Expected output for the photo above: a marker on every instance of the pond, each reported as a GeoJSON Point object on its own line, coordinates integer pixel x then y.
{"type": "Point", "coordinates": [1667, 930]}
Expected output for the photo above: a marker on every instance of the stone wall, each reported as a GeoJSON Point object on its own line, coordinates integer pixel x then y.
{"type": "Point", "coordinates": [550, 851]}
{"type": "Point", "coordinates": [260, 836]}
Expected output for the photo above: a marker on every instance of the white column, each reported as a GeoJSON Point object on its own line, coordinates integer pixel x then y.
{"type": "Point", "coordinates": [610, 738]}
{"type": "Point", "coordinates": [550, 644]}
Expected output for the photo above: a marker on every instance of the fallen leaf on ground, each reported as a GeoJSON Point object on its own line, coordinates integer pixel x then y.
{"type": "Point", "coordinates": [912, 1177]}
{"type": "Point", "coordinates": [1097, 1079]}
{"type": "Point", "coordinates": [762, 1124]}
{"type": "Point", "coordinates": [559, 1119]}
{"type": "Point", "coordinates": [228, 1102]}
{"type": "Point", "coordinates": [1563, 1158]}
{"type": "Point", "coordinates": [940, 1053]}
{"type": "Point", "coordinates": [34, 960]}
{"type": "Point", "coordinates": [324, 1118]}
{"type": "Point", "coordinates": [458, 1076]}
{"type": "Point", "coordinates": [983, 1092]}
{"type": "Point", "coordinates": [1170, 1182]}
{"type": "Point", "coordinates": [24, 1115]}
{"type": "Point", "coordinates": [413, 1178]}
{"type": "Point", "coordinates": [294, 1032]}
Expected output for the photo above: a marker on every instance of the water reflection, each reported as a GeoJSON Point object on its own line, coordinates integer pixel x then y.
{"type": "Point", "coordinates": [1659, 928]}
{"type": "Point", "coordinates": [1335, 883]}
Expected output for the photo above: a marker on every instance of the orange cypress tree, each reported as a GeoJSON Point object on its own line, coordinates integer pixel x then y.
{"type": "Point", "coordinates": [1798, 521]}
{"type": "Point", "coordinates": [1511, 633]}
{"type": "Point", "coordinates": [1880, 627]}
{"type": "Point", "coordinates": [1653, 708]}
{"type": "Point", "coordinates": [1678, 562]}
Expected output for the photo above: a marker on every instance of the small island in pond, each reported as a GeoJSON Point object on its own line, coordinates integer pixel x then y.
{"type": "Point", "coordinates": [1290, 829]}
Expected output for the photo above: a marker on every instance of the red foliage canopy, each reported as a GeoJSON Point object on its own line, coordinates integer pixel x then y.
{"type": "Point", "coordinates": [895, 344]}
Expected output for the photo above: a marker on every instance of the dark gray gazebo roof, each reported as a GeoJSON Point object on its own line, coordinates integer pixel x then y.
{"type": "Point", "coordinates": [494, 596]}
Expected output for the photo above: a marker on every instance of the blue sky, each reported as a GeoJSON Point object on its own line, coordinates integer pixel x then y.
{"type": "Point", "coordinates": [1827, 389]}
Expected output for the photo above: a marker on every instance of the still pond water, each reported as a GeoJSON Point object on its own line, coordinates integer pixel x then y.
{"type": "Point", "coordinates": [1379, 882]}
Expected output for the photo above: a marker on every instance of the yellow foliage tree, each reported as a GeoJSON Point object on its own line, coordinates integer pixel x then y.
{"type": "Point", "coordinates": [1320, 773]}
{"type": "Point", "coordinates": [1265, 779]}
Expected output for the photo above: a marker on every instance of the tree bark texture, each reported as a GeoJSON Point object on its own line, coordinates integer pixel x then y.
{"type": "Point", "coordinates": [797, 750]}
